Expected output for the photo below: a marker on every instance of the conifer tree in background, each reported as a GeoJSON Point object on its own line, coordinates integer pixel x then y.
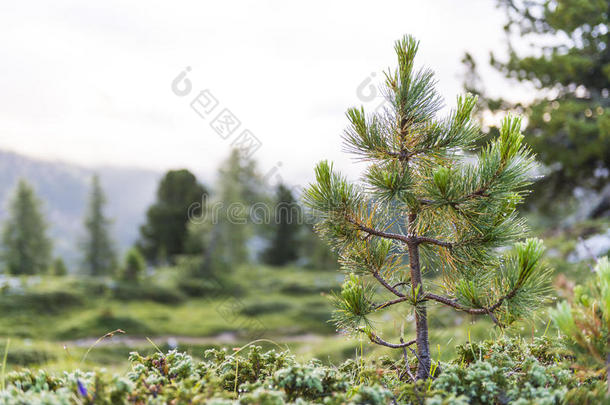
{"type": "Point", "coordinates": [98, 250]}
{"type": "Point", "coordinates": [59, 267]}
{"type": "Point", "coordinates": [26, 248]}
{"type": "Point", "coordinates": [134, 265]}
{"type": "Point", "coordinates": [568, 62]}
{"type": "Point", "coordinates": [238, 189]}
{"type": "Point", "coordinates": [164, 235]}
{"type": "Point", "coordinates": [426, 206]}
{"type": "Point", "coordinates": [223, 231]}
{"type": "Point", "coordinates": [286, 225]}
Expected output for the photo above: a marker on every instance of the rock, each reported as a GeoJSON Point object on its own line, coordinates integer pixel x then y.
{"type": "Point", "coordinates": [596, 245]}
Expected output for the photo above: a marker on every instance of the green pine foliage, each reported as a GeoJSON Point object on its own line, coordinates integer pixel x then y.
{"type": "Point", "coordinates": [98, 248]}
{"type": "Point", "coordinates": [26, 248]}
{"type": "Point", "coordinates": [427, 204]}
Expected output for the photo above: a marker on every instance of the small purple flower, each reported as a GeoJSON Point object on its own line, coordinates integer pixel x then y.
{"type": "Point", "coordinates": [81, 388]}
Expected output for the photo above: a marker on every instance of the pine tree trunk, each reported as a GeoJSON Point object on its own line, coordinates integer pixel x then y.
{"type": "Point", "coordinates": [421, 315]}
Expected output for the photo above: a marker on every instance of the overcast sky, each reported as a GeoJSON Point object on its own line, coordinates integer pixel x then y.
{"type": "Point", "coordinates": [92, 83]}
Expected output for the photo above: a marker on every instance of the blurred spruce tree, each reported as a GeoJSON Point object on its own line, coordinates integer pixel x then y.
{"type": "Point", "coordinates": [26, 248]}
{"type": "Point", "coordinates": [568, 125]}
{"type": "Point", "coordinates": [425, 205]}
{"type": "Point", "coordinates": [59, 267]}
{"type": "Point", "coordinates": [134, 265]}
{"type": "Point", "coordinates": [164, 234]}
{"type": "Point", "coordinates": [286, 225]}
{"type": "Point", "coordinates": [239, 188]}
{"type": "Point", "coordinates": [225, 229]}
{"type": "Point", "coordinates": [99, 256]}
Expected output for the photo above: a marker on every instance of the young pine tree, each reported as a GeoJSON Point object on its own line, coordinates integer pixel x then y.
{"type": "Point", "coordinates": [98, 250]}
{"type": "Point", "coordinates": [427, 205]}
{"type": "Point", "coordinates": [26, 246]}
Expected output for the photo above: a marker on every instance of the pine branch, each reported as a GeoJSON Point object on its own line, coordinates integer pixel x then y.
{"type": "Point", "coordinates": [382, 234]}
{"type": "Point", "coordinates": [505, 297]}
{"type": "Point", "coordinates": [376, 339]}
{"type": "Point", "coordinates": [454, 304]}
{"type": "Point", "coordinates": [399, 284]}
{"type": "Point", "coordinates": [387, 285]}
{"type": "Point", "coordinates": [433, 241]}
{"type": "Point", "coordinates": [391, 302]}
{"type": "Point", "coordinates": [473, 311]}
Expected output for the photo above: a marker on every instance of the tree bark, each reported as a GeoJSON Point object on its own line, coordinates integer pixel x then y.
{"type": "Point", "coordinates": [421, 315]}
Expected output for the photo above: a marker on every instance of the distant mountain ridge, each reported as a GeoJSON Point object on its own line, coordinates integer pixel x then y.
{"type": "Point", "coordinates": [64, 188]}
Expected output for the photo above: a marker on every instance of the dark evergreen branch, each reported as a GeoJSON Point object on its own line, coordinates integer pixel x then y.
{"type": "Point", "coordinates": [505, 297]}
{"type": "Point", "coordinates": [382, 234]}
{"type": "Point", "coordinates": [376, 339]}
{"type": "Point", "coordinates": [399, 284]}
{"type": "Point", "coordinates": [391, 302]}
{"type": "Point", "coordinates": [454, 304]}
{"type": "Point", "coordinates": [425, 239]}
{"type": "Point", "coordinates": [387, 285]}
{"type": "Point", "coordinates": [473, 311]}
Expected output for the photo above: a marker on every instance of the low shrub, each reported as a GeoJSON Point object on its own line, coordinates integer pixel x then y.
{"type": "Point", "coordinates": [501, 372]}
{"type": "Point", "coordinates": [504, 371]}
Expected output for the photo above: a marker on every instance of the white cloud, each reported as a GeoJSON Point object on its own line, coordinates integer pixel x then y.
{"type": "Point", "coordinates": [90, 83]}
